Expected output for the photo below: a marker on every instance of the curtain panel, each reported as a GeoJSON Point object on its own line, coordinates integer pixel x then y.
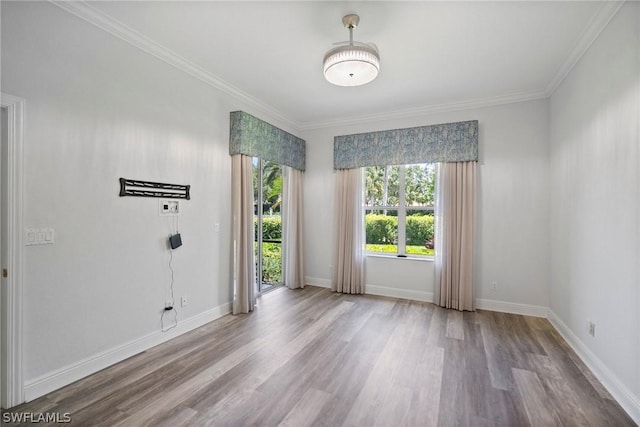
{"type": "Point", "coordinates": [251, 137]}
{"type": "Point", "coordinates": [292, 228]}
{"type": "Point", "coordinates": [256, 138]}
{"type": "Point", "coordinates": [348, 254]}
{"type": "Point", "coordinates": [455, 235]}
{"type": "Point", "coordinates": [242, 234]}
{"type": "Point", "coordinates": [448, 142]}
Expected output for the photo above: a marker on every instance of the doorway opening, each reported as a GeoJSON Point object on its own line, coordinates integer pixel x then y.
{"type": "Point", "coordinates": [12, 111]}
{"type": "Point", "coordinates": [267, 202]}
{"type": "Point", "coordinates": [4, 138]}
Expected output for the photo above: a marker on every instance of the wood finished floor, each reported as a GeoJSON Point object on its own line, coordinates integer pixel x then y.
{"type": "Point", "coordinates": [315, 358]}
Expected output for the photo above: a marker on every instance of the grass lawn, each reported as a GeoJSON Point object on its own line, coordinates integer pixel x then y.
{"type": "Point", "coordinates": [411, 250]}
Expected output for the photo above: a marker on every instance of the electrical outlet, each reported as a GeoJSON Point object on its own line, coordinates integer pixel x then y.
{"type": "Point", "coordinates": [185, 300]}
{"type": "Point", "coordinates": [494, 286]}
{"type": "Point", "coordinates": [592, 329]}
{"type": "Point", "coordinates": [169, 207]}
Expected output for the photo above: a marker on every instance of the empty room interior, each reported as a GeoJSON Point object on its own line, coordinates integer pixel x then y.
{"type": "Point", "coordinates": [320, 213]}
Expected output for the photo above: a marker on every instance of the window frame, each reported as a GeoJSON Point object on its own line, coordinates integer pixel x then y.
{"type": "Point", "coordinates": [402, 209]}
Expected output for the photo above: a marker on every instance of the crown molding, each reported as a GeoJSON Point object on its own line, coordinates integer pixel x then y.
{"type": "Point", "coordinates": [598, 22]}
{"type": "Point", "coordinates": [426, 110]}
{"type": "Point", "coordinates": [94, 16]}
{"type": "Point", "coordinates": [596, 25]}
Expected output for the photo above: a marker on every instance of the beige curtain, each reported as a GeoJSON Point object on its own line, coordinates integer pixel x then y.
{"type": "Point", "coordinates": [244, 267]}
{"type": "Point", "coordinates": [348, 257]}
{"type": "Point", "coordinates": [292, 243]}
{"type": "Point", "coordinates": [455, 234]}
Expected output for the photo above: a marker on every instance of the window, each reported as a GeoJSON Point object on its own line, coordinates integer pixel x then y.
{"type": "Point", "coordinates": [398, 209]}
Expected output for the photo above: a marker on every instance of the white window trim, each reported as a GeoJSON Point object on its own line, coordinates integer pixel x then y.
{"type": "Point", "coordinates": [402, 219]}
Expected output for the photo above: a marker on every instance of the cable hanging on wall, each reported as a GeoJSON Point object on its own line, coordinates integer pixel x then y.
{"type": "Point", "coordinates": [170, 308]}
{"type": "Point", "coordinates": [174, 241]}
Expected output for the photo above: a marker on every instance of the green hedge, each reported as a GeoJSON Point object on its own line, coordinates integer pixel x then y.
{"type": "Point", "coordinates": [383, 229]}
{"type": "Point", "coordinates": [419, 230]}
{"type": "Point", "coordinates": [271, 228]}
{"type": "Point", "coordinates": [272, 252]}
{"type": "Point", "coordinates": [271, 263]}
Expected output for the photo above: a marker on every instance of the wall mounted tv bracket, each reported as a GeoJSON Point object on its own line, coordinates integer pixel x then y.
{"type": "Point", "coordinates": [137, 188]}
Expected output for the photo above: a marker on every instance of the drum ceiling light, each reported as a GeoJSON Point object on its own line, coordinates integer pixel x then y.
{"type": "Point", "coordinates": [353, 64]}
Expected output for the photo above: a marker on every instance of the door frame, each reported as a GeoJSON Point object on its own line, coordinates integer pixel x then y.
{"type": "Point", "coordinates": [12, 391]}
{"type": "Point", "coordinates": [258, 214]}
{"type": "Point", "coordinates": [259, 221]}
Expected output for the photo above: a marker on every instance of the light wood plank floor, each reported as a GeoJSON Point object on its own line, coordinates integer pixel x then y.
{"type": "Point", "coordinates": [312, 357]}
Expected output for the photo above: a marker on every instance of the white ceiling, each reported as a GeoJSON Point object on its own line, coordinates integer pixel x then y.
{"type": "Point", "coordinates": [433, 54]}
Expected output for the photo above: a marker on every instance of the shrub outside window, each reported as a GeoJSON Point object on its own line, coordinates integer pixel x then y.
{"type": "Point", "coordinates": [398, 209]}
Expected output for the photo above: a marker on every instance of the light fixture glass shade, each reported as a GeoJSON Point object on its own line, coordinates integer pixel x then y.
{"type": "Point", "coordinates": [351, 65]}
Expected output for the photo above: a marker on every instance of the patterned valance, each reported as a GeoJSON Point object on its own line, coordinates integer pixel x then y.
{"type": "Point", "coordinates": [449, 142]}
{"type": "Point", "coordinates": [254, 137]}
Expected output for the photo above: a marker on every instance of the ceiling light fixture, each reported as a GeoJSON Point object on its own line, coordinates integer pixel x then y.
{"type": "Point", "coordinates": [354, 64]}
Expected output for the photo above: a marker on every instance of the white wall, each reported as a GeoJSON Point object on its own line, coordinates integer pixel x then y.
{"type": "Point", "coordinates": [99, 109]}
{"type": "Point", "coordinates": [513, 221]}
{"type": "Point", "coordinates": [595, 201]}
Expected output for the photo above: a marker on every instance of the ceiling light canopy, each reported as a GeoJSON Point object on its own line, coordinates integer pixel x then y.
{"type": "Point", "coordinates": [355, 63]}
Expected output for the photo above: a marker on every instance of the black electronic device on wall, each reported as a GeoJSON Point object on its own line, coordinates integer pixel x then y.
{"type": "Point", "coordinates": [175, 241]}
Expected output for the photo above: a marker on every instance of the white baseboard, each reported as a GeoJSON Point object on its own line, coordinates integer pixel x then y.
{"type": "Point", "coordinates": [377, 290]}
{"type": "Point", "coordinates": [398, 293]}
{"type": "Point", "coordinates": [59, 378]}
{"type": "Point", "coordinates": [483, 304]}
{"type": "Point", "coordinates": [316, 281]}
{"type": "Point", "coordinates": [629, 402]}
{"type": "Point", "coordinates": [512, 307]}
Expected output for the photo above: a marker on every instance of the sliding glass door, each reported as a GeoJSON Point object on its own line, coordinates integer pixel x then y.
{"type": "Point", "coordinates": [267, 186]}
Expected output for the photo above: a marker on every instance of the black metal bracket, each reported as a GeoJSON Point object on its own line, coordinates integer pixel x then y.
{"type": "Point", "coordinates": [137, 188]}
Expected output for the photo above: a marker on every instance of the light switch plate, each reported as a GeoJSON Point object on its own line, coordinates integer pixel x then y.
{"type": "Point", "coordinates": [39, 236]}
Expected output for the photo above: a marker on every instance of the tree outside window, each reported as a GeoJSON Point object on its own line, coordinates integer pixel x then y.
{"type": "Point", "coordinates": [398, 206]}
